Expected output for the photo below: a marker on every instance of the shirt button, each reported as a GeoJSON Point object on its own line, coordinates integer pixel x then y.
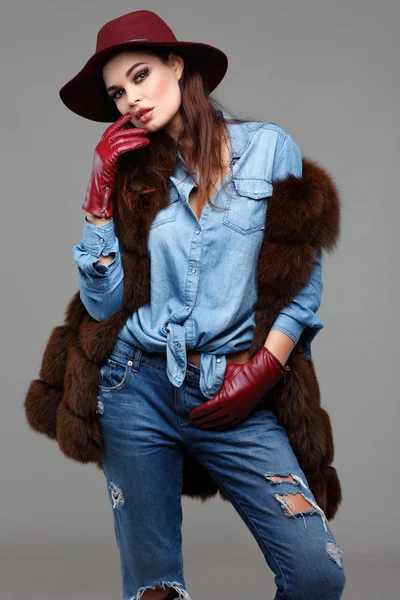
{"type": "Point", "coordinates": [194, 270]}
{"type": "Point", "coordinates": [197, 231]}
{"type": "Point", "coordinates": [178, 345]}
{"type": "Point", "coordinates": [255, 192]}
{"type": "Point", "coordinates": [218, 360]}
{"type": "Point", "coordinates": [101, 240]}
{"type": "Point", "coordinates": [187, 307]}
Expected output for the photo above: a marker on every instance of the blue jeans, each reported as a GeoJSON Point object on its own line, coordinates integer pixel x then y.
{"type": "Point", "coordinates": [145, 425]}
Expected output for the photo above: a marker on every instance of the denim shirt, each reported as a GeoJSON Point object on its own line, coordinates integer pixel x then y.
{"type": "Point", "coordinates": [203, 271]}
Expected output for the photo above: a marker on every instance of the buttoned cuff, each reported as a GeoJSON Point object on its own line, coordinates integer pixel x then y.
{"type": "Point", "coordinates": [100, 240]}
{"type": "Point", "coordinates": [99, 237]}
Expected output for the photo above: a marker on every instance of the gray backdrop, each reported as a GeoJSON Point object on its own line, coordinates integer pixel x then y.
{"type": "Point", "coordinates": [327, 72]}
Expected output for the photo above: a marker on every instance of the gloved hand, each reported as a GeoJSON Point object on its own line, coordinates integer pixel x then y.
{"type": "Point", "coordinates": [243, 388]}
{"type": "Point", "coordinates": [113, 143]}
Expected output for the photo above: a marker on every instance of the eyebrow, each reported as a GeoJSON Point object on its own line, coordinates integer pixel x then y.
{"type": "Point", "coordinates": [129, 71]}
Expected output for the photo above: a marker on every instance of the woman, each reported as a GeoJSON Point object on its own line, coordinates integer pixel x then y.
{"type": "Point", "coordinates": [180, 377]}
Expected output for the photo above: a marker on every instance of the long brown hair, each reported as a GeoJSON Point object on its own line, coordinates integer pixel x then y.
{"type": "Point", "coordinates": [200, 144]}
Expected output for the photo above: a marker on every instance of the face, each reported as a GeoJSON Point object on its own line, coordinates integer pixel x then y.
{"type": "Point", "coordinates": [148, 84]}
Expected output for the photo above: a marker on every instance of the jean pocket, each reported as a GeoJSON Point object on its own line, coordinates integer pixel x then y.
{"type": "Point", "coordinates": [247, 205]}
{"type": "Point", "coordinates": [114, 375]}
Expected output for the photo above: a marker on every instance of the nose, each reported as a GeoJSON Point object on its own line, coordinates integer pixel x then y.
{"type": "Point", "coordinates": [132, 99]}
{"type": "Point", "coordinates": [134, 104]}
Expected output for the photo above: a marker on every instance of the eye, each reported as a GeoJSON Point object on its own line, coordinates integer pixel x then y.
{"type": "Point", "coordinates": [143, 72]}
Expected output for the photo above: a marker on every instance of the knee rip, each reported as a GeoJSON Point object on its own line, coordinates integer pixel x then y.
{"type": "Point", "coordinates": [117, 496]}
{"type": "Point", "coordinates": [299, 504]}
{"type": "Point", "coordinates": [154, 592]}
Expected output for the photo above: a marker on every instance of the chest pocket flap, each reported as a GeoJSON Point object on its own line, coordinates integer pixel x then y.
{"type": "Point", "coordinates": [247, 206]}
{"type": "Point", "coordinates": [169, 213]}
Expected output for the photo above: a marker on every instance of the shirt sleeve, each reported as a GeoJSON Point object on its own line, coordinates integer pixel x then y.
{"type": "Point", "coordinates": [299, 317]}
{"type": "Point", "coordinates": [287, 158]}
{"type": "Point", "coordinates": [101, 286]}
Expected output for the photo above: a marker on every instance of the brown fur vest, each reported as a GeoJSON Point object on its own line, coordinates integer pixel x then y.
{"type": "Point", "coordinates": [303, 215]}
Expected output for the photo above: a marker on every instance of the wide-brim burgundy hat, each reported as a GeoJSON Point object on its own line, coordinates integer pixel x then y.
{"type": "Point", "coordinates": [86, 95]}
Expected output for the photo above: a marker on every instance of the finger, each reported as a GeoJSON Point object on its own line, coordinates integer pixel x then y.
{"type": "Point", "coordinates": [207, 425]}
{"type": "Point", "coordinates": [229, 425]}
{"type": "Point", "coordinates": [125, 140]}
{"type": "Point", "coordinates": [118, 139]}
{"type": "Point", "coordinates": [127, 133]}
{"type": "Point", "coordinates": [226, 424]}
{"type": "Point", "coordinates": [118, 124]}
{"type": "Point", "coordinates": [209, 418]}
{"type": "Point", "coordinates": [220, 422]}
{"type": "Point", "coordinates": [216, 426]}
{"type": "Point", "coordinates": [203, 411]}
{"type": "Point", "coordinates": [134, 145]}
{"type": "Point", "coordinates": [208, 407]}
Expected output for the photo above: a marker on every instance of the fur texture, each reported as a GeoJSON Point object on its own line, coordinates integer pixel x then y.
{"type": "Point", "coordinates": [303, 216]}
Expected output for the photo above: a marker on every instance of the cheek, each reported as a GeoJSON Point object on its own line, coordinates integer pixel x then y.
{"type": "Point", "coordinates": [160, 88]}
{"type": "Point", "coordinates": [166, 89]}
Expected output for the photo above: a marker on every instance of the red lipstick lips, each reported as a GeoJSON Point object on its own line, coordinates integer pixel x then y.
{"type": "Point", "coordinates": [141, 110]}
{"type": "Point", "coordinates": [146, 116]}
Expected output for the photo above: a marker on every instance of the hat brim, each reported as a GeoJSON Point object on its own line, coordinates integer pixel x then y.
{"type": "Point", "coordinates": [85, 94]}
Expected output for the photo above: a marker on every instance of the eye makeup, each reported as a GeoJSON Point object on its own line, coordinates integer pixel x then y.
{"type": "Point", "coordinates": [143, 72]}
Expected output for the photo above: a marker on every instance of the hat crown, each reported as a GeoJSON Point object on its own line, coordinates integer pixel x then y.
{"type": "Point", "coordinates": [140, 25]}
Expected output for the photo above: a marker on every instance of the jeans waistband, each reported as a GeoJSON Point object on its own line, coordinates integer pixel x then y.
{"type": "Point", "coordinates": [136, 354]}
{"type": "Point", "coordinates": [193, 357]}
{"type": "Point", "coordinates": [126, 350]}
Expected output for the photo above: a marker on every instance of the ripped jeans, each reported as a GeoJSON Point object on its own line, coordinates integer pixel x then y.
{"type": "Point", "coordinates": [145, 425]}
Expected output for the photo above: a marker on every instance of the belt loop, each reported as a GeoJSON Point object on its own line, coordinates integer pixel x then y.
{"type": "Point", "coordinates": [136, 359]}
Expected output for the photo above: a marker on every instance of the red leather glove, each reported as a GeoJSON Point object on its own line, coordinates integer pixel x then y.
{"type": "Point", "coordinates": [243, 388]}
{"type": "Point", "coordinates": [113, 143]}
